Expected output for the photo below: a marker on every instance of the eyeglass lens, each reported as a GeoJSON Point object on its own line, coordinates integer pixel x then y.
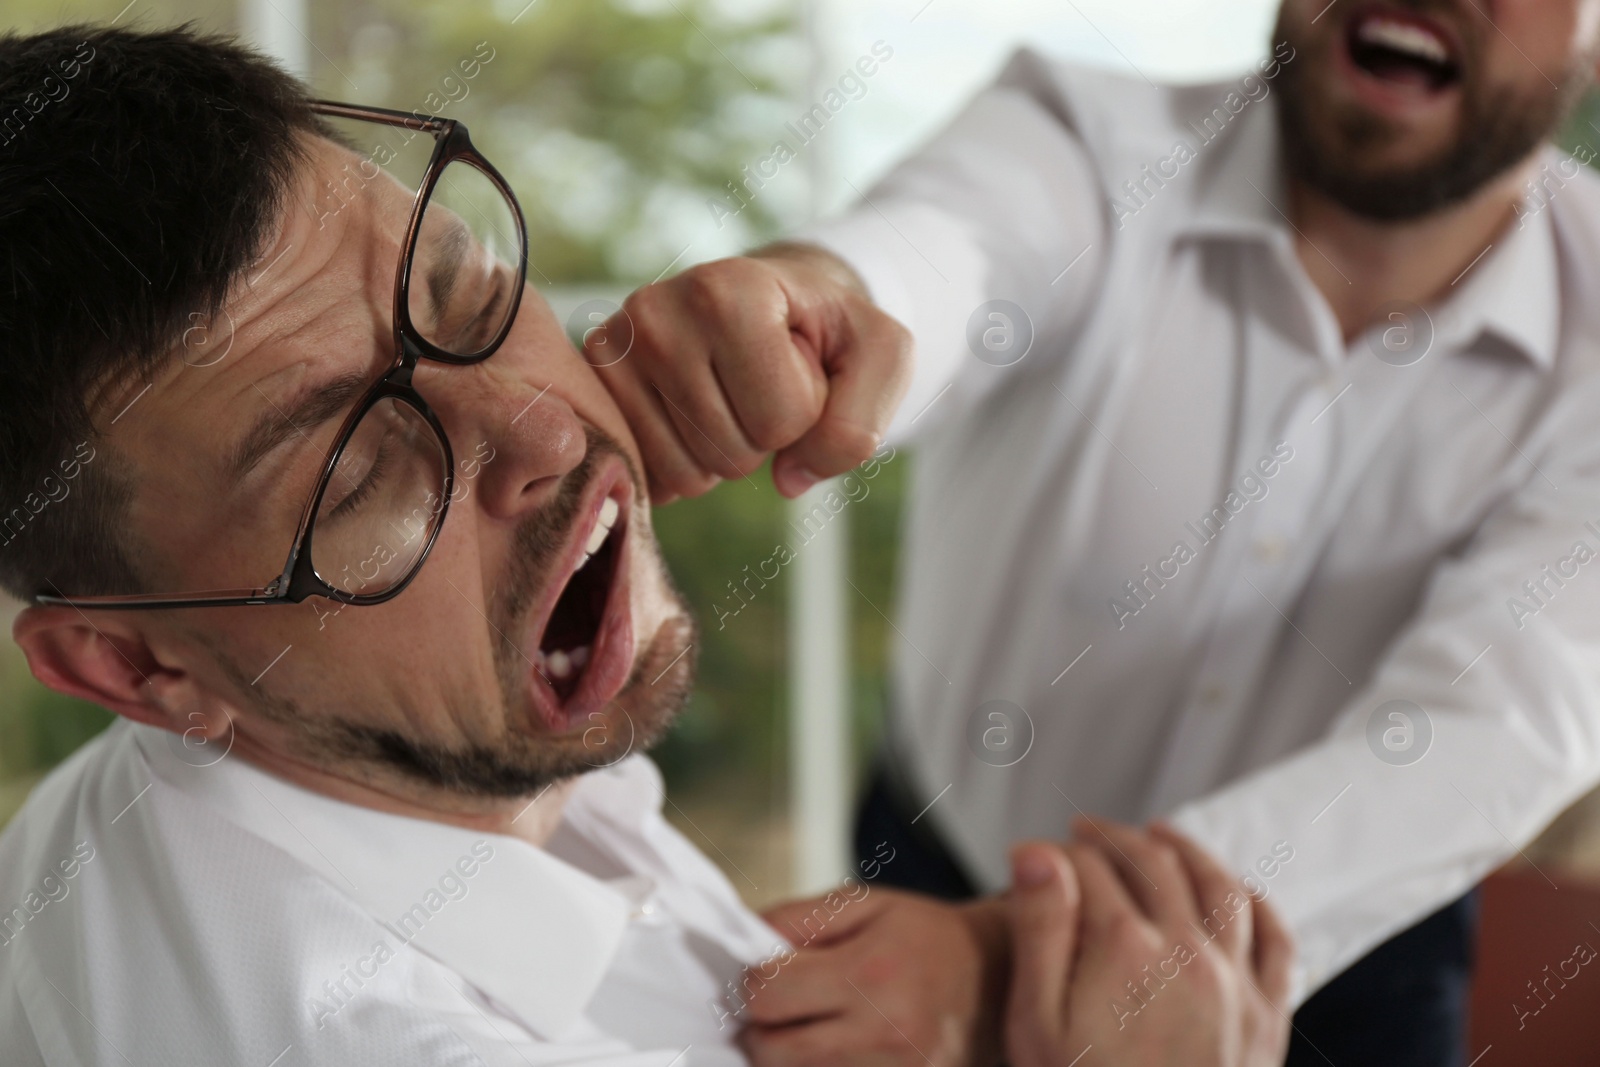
{"type": "Point", "coordinates": [465, 271]}
{"type": "Point", "coordinates": [383, 502]}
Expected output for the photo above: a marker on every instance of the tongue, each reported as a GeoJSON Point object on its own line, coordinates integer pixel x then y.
{"type": "Point", "coordinates": [1401, 70]}
{"type": "Point", "coordinates": [1399, 67]}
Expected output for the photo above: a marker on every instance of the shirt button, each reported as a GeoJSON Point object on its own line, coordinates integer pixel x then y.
{"type": "Point", "coordinates": [1270, 549]}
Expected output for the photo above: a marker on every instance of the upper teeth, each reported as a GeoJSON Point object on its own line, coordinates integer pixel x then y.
{"type": "Point", "coordinates": [609, 510]}
{"type": "Point", "coordinates": [1404, 37]}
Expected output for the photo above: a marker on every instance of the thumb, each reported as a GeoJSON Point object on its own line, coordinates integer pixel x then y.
{"type": "Point", "coordinates": [1044, 937]}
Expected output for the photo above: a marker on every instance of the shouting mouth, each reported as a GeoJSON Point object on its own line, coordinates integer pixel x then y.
{"type": "Point", "coordinates": [1401, 52]}
{"type": "Point", "coordinates": [582, 648]}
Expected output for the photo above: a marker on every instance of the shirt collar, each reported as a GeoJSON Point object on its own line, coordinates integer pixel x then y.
{"type": "Point", "coordinates": [1242, 193]}
{"type": "Point", "coordinates": [1513, 292]}
{"type": "Point", "coordinates": [531, 931]}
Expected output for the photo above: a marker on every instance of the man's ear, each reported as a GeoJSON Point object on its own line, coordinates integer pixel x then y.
{"type": "Point", "coordinates": [107, 659]}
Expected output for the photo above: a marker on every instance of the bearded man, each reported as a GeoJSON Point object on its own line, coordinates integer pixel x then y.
{"type": "Point", "coordinates": [1257, 466]}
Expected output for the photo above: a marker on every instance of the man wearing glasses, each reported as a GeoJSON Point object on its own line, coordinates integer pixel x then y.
{"type": "Point", "coordinates": [360, 554]}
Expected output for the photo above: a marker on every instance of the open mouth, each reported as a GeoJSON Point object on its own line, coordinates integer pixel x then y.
{"type": "Point", "coordinates": [1404, 50]}
{"type": "Point", "coordinates": [583, 653]}
{"type": "Point", "coordinates": [569, 637]}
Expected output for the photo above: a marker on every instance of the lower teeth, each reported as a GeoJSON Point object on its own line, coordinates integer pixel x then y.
{"type": "Point", "coordinates": [562, 664]}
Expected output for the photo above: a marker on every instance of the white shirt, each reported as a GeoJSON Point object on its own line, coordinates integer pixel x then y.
{"type": "Point", "coordinates": [1378, 553]}
{"type": "Point", "coordinates": [157, 912]}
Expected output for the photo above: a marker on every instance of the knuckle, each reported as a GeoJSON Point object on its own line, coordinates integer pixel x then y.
{"type": "Point", "coordinates": [650, 325]}
{"type": "Point", "coordinates": [643, 305]}
{"type": "Point", "coordinates": [655, 348]}
{"type": "Point", "coordinates": [714, 288]}
{"type": "Point", "coordinates": [782, 426]}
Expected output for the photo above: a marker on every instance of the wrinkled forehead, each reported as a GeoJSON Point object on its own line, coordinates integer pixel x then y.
{"type": "Point", "coordinates": [339, 237]}
{"type": "Point", "coordinates": [316, 304]}
{"type": "Point", "coordinates": [342, 218]}
{"type": "Point", "coordinates": [336, 231]}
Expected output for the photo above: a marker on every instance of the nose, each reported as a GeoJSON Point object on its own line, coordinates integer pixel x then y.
{"type": "Point", "coordinates": [513, 439]}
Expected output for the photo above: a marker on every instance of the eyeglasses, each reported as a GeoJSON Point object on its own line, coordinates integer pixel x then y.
{"type": "Point", "coordinates": [387, 482]}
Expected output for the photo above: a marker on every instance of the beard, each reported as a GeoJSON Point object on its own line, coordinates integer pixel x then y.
{"type": "Point", "coordinates": [1330, 146]}
{"type": "Point", "coordinates": [516, 763]}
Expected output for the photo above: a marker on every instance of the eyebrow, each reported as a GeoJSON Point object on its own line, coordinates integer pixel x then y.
{"type": "Point", "coordinates": [309, 407]}
{"type": "Point", "coordinates": [445, 269]}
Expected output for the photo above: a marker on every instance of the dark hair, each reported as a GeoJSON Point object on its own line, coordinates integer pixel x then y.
{"type": "Point", "coordinates": [140, 172]}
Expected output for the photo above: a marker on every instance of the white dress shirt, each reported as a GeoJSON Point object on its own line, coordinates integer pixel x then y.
{"type": "Point", "coordinates": [157, 912]}
{"type": "Point", "coordinates": [1197, 542]}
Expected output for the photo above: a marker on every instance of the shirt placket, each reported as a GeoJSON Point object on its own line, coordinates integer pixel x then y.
{"type": "Point", "coordinates": [1338, 419]}
{"type": "Point", "coordinates": [1252, 586]}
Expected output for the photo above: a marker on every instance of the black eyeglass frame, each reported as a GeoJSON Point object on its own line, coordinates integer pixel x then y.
{"type": "Point", "coordinates": [299, 578]}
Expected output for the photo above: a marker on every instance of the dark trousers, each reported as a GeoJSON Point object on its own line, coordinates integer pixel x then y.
{"type": "Point", "coordinates": [1404, 1004]}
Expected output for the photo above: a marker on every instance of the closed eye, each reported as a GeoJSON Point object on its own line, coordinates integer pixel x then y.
{"type": "Point", "coordinates": [362, 489]}
{"type": "Point", "coordinates": [475, 334]}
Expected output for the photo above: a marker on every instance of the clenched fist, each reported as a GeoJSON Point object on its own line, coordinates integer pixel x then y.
{"type": "Point", "coordinates": [1137, 948]}
{"type": "Point", "coordinates": [728, 362]}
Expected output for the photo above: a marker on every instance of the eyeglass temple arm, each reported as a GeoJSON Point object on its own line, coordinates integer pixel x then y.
{"type": "Point", "coordinates": [387, 116]}
{"type": "Point", "coordinates": [218, 598]}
